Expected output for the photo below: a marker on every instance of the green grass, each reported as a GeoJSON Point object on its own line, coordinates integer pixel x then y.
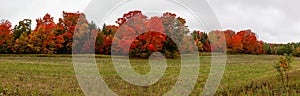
{"type": "Point", "coordinates": [54, 75]}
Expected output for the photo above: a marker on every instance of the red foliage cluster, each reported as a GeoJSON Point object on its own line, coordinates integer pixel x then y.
{"type": "Point", "coordinates": [5, 31]}
{"type": "Point", "coordinates": [244, 41]}
{"type": "Point", "coordinates": [127, 16]}
{"type": "Point", "coordinates": [140, 36]}
{"type": "Point", "coordinates": [66, 28]}
{"type": "Point", "coordinates": [6, 36]}
{"type": "Point", "coordinates": [44, 39]}
{"type": "Point", "coordinates": [138, 32]}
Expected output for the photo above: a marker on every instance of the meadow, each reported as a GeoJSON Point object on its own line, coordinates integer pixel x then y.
{"type": "Point", "coordinates": [32, 74]}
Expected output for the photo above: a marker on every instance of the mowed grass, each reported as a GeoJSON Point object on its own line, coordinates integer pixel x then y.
{"type": "Point", "coordinates": [54, 75]}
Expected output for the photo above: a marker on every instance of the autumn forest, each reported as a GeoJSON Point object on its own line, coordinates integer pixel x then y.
{"type": "Point", "coordinates": [157, 34]}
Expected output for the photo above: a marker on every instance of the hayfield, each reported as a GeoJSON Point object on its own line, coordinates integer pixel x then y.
{"type": "Point", "coordinates": [54, 75]}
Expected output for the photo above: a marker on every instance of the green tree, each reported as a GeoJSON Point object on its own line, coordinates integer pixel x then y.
{"type": "Point", "coordinates": [24, 26]}
{"type": "Point", "coordinates": [267, 48]}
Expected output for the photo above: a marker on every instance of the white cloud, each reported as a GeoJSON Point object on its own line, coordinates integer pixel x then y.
{"type": "Point", "coordinates": [17, 10]}
{"type": "Point", "coordinates": [275, 21]}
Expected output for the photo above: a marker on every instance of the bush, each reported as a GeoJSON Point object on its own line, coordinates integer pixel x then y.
{"type": "Point", "coordinates": [297, 52]}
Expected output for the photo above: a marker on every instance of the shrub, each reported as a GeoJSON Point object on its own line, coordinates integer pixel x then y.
{"type": "Point", "coordinates": [282, 67]}
{"type": "Point", "coordinates": [297, 52]}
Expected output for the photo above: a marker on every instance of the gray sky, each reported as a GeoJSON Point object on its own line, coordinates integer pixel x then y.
{"type": "Point", "coordinates": [275, 21]}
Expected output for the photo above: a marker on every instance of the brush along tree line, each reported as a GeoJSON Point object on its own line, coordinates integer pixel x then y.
{"type": "Point", "coordinates": [139, 36]}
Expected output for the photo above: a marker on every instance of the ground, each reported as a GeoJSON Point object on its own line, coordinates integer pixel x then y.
{"type": "Point", "coordinates": [54, 75]}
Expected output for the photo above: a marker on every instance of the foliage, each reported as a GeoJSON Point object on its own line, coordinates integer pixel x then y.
{"type": "Point", "coordinates": [217, 41]}
{"type": "Point", "coordinates": [83, 37]}
{"type": "Point", "coordinates": [43, 39]}
{"type": "Point", "coordinates": [6, 37]}
{"type": "Point", "coordinates": [66, 29]}
{"type": "Point", "coordinates": [267, 48]}
{"type": "Point", "coordinates": [248, 40]}
{"type": "Point", "coordinates": [297, 52]}
{"type": "Point", "coordinates": [104, 39]}
{"type": "Point", "coordinates": [74, 31]}
{"type": "Point", "coordinates": [281, 49]}
{"type": "Point", "coordinates": [202, 41]}
{"type": "Point", "coordinates": [244, 41]}
{"type": "Point", "coordinates": [21, 44]}
{"type": "Point", "coordinates": [140, 36]}
{"type": "Point", "coordinates": [24, 26]}
{"type": "Point", "coordinates": [283, 67]}
{"type": "Point", "coordinates": [146, 44]}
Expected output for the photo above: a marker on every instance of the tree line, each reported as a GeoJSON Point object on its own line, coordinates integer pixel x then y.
{"type": "Point", "coordinates": [135, 34]}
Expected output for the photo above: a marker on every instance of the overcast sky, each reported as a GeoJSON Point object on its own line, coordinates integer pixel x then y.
{"type": "Point", "coordinates": [274, 21]}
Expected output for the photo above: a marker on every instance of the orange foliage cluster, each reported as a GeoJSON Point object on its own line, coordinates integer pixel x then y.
{"type": "Point", "coordinates": [139, 36]}
{"type": "Point", "coordinates": [244, 41]}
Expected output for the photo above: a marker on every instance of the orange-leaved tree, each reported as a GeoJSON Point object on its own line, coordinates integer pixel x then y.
{"type": "Point", "coordinates": [217, 41]}
{"type": "Point", "coordinates": [6, 37]}
{"type": "Point", "coordinates": [140, 36]}
{"type": "Point", "coordinates": [66, 29]}
{"type": "Point", "coordinates": [201, 41]}
{"type": "Point", "coordinates": [43, 39]}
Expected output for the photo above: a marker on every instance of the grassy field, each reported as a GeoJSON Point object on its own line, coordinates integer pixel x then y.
{"type": "Point", "coordinates": [54, 75]}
